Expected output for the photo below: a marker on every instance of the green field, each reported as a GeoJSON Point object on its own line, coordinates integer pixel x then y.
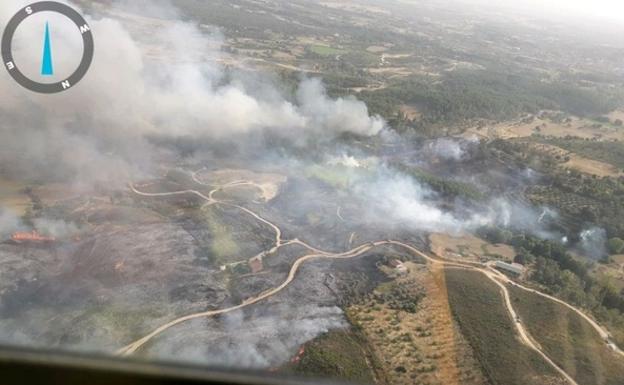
{"type": "Point", "coordinates": [477, 305]}
{"type": "Point", "coordinates": [608, 152]}
{"type": "Point", "coordinates": [569, 340]}
{"type": "Point", "coordinates": [224, 247]}
{"type": "Point", "coordinates": [337, 176]}
{"type": "Point", "coordinates": [338, 354]}
{"type": "Point", "coordinates": [324, 50]}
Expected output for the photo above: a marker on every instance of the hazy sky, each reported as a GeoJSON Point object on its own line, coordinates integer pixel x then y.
{"type": "Point", "coordinates": [611, 9]}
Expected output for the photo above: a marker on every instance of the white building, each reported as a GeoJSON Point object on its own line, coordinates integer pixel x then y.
{"type": "Point", "coordinates": [399, 267]}
{"type": "Point", "coordinates": [514, 268]}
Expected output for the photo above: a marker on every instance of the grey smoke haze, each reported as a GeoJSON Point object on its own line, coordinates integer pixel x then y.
{"type": "Point", "coordinates": [593, 242]}
{"type": "Point", "coordinates": [97, 130]}
{"type": "Point", "coordinates": [261, 341]}
{"type": "Point", "coordinates": [451, 149]}
{"type": "Point", "coordinates": [9, 222]}
{"type": "Point", "coordinates": [55, 227]}
{"type": "Point", "coordinates": [598, 10]}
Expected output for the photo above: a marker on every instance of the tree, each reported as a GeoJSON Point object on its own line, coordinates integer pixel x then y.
{"type": "Point", "coordinates": [572, 287]}
{"type": "Point", "coordinates": [524, 257]}
{"type": "Point", "coordinates": [495, 234]}
{"type": "Point", "coordinates": [547, 272]}
{"type": "Point", "coordinates": [616, 245]}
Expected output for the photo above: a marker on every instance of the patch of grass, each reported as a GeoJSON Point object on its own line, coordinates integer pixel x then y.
{"type": "Point", "coordinates": [223, 245]}
{"type": "Point", "coordinates": [124, 322]}
{"type": "Point", "coordinates": [336, 176]}
{"type": "Point", "coordinates": [568, 339]}
{"type": "Point", "coordinates": [338, 354]}
{"type": "Point", "coordinates": [477, 305]}
{"type": "Point", "coordinates": [324, 50]}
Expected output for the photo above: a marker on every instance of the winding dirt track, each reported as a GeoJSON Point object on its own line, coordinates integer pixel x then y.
{"type": "Point", "coordinates": [497, 277]}
{"type": "Point", "coordinates": [604, 334]}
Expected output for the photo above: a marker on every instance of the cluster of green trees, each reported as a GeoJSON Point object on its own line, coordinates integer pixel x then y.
{"type": "Point", "coordinates": [616, 245]}
{"type": "Point", "coordinates": [606, 197]}
{"type": "Point", "coordinates": [404, 296]}
{"type": "Point", "coordinates": [565, 276]}
{"type": "Point", "coordinates": [611, 152]}
{"type": "Point", "coordinates": [447, 188]}
{"type": "Point", "coordinates": [495, 94]}
{"type": "Point", "coordinates": [580, 198]}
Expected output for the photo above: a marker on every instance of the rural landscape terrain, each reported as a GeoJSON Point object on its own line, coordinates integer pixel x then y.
{"type": "Point", "coordinates": [375, 192]}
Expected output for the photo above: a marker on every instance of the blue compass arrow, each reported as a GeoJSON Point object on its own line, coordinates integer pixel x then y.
{"type": "Point", "coordinates": [46, 64]}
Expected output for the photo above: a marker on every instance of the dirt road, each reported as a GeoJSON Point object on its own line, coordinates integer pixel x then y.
{"type": "Point", "coordinates": [604, 334]}
{"type": "Point", "coordinates": [495, 276]}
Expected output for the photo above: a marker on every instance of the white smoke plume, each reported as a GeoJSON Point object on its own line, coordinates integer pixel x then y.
{"type": "Point", "coordinates": [402, 202]}
{"type": "Point", "coordinates": [55, 227]}
{"type": "Point", "coordinates": [593, 242]}
{"type": "Point", "coordinates": [10, 222]}
{"type": "Point", "coordinates": [162, 80]}
{"type": "Point", "coordinates": [260, 341]}
{"type": "Point", "coordinates": [451, 148]}
{"type": "Point", "coordinates": [397, 200]}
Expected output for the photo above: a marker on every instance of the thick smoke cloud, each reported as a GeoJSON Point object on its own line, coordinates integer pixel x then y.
{"type": "Point", "coordinates": [162, 80]}
{"type": "Point", "coordinates": [400, 201]}
{"type": "Point", "coordinates": [340, 115]}
{"type": "Point", "coordinates": [397, 200]}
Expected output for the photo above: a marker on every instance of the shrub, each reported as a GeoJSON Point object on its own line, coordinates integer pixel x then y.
{"type": "Point", "coordinates": [616, 245]}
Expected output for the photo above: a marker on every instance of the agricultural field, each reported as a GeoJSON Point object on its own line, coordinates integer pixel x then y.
{"type": "Point", "coordinates": [568, 339]}
{"type": "Point", "coordinates": [579, 198]}
{"type": "Point", "coordinates": [477, 307]}
{"type": "Point", "coordinates": [324, 50]}
{"type": "Point", "coordinates": [469, 247]}
{"type": "Point", "coordinates": [609, 152]}
{"type": "Point", "coordinates": [553, 125]}
{"type": "Point", "coordinates": [408, 324]}
{"type": "Point", "coordinates": [569, 160]}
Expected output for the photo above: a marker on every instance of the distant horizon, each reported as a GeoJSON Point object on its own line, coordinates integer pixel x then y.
{"type": "Point", "coordinates": [611, 10]}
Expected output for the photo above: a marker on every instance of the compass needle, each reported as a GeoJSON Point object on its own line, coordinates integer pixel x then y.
{"type": "Point", "coordinates": [46, 65]}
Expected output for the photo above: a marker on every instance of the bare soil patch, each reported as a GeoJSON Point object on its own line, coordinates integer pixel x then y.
{"type": "Point", "coordinates": [577, 127]}
{"type": "Point", "coordinates": [578, 162]}
{"type": "Point", "coordinates": [268, 183]}
{"type": "Point", "coordinates": [423, 347]}
{"type": "Point", "coordinates": [468, 247]}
